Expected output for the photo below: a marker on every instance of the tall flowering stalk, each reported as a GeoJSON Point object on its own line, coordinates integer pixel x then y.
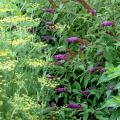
{"type": "Point", "coordinates": [60, 57]}
{"type": "Point", "coordinates": [48, 10]}
{"type": "Point", "coordinates": [107, 23]}
{"type": "Point", "coordinates": [73, 39]}
{"type": "Point", "coordinates": [60, 90]}
{"type": "Point", "coordinates": [74, 106]}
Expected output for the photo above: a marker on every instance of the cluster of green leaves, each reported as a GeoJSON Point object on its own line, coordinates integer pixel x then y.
{"type": "Point", "coordinates": [26, 60]}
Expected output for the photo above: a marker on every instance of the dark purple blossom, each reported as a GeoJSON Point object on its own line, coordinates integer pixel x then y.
{"type": "Point", "coordinates": [58, 63]}
{"type": "Point", "coordinates": [92, 11]}
{"type": "Point", "coordinates": [52, 104]}
{"type": "Point", "coordinates": [92, 70]}
{"type": "Point", "coordinates": [50, 77]}
{"type": "Point", "coordinates": [111, 87]}
{"type": "Point", "coordinates": [60, 90]}
{"type": "Point", "coordinates": [49, 10]}
{"type": "Point", "coordinates": [107, 23]}
{"type": "Point", "coordinates": [73, 39]}
{"type": "Point", "coordinates": [82, 47]}
{"type": "Point", "coordinates": [101, 69]}
{"type": "Point", "coordinates": [74, 106]}
{"type": "Point", "coordinates": [85, 92]}
{"type": "Point", "coordinates": [59, 57]}
{"type": "Point", "coordinates": [47, 38]}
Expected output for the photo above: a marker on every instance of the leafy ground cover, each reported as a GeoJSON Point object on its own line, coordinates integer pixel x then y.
{"type": "Point", "coordinates": [60, 61]}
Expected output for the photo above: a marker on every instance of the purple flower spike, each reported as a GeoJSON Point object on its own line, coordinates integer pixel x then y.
{"type": "Point", "coordinates": [73, 39]}
{"type": "Point", "coordinates": [74, 106]}
{"type": "Point", "coordinates": [85, 92]}
{"type": "Point", "coordinates": [59, 57]}
{"type": "Point", "coordinates": [58, 63]}
{"type": "Point", "coordinates": [52, 104]}
{"type": "Point", "coordinates": [92, 11]}
{"type": "Point", "coordinates": [49, 10]}
{"type": "Point", "coordinates": [107, 23]}
{"type": "Point", "coordinates": [47, 38]}
{"type": "Point", "coordinates": [60, 90]}
{"type": "Point", "coordinates": [92, 70]}
{"type": "Point", "coordinates": [101, 69]}
{"type": "Point", "coordinates": [111, 87]}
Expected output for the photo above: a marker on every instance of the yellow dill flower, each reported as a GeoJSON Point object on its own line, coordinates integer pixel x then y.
{"type": "Point", "coordinates": [1, 28]}
{"type": "Point", "coordinates": [39, 45]}
{"type": "Point", "coordinates": [15, 19]}
{"type": "Point", "coordinates": [4, 53]}
{"type": "Point", "coordinates": [44, 82]}
{"type": "Point", "coordinates": [6, 10]}
{"type": "Point", "coordinates": [35, 62]}
{"type": "Point", "coordinates": [18, 42]}
{"type": "Point", "coordinates": [8, 65]}
{"type": "Point", "coordinates": [23, 103]}
{"type": "Point", "coordinates": [60, 26]}
{"type": "Point", "coordinates": [36, 5]}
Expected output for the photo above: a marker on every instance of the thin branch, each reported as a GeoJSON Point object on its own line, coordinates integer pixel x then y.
{"type": "Point", "coordinates": [54, 5]}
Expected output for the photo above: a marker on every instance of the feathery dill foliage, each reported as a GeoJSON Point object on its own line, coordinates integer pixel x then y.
{"type": "Point", "coordinates": [59, 60]}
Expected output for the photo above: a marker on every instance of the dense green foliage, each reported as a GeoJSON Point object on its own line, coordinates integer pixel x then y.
{"type": "Point", "coordinates": [36, 85]}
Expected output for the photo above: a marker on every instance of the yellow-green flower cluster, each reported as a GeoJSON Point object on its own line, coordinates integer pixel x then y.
{"type": "Point", "coordinates": [46, 83]}
{"type": "Point", "coordinates": [39, 45]}
{"type": "Point", "coordinates": [8, 65]}
{"type": "Point", "coordinates": [23, 103]}
{"type": "Point", "coordinates": [18, 42]}
{"type": "Point", "coordinates": [15, 19]}
{"type": "Point", "coordinates": [35, 62]}
{"type": "Point", "coordinates": [6, 10]}
{"type": "Point", "coordinates": [4, 53]}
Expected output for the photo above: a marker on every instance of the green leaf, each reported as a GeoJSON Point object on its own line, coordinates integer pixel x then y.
{"type": "Point", "coordinates": [117, 86]}
{"type": "Point", "coordinates": [99, 117]}
{"type": "Point", "coordinates": [86, 80]}
{"type": "Point", "coordinates": [113, 102]}
{"type": "Point", "coordinates": [76, 85]}
{"type": "Point", "coordinates": [62, 114]}
{"type": "Point", "coordinates": [111, 74]}
{"type": "Point", "coordinates": [85, 115]}
{"type": "Point", "coordinates": [96, 93]}
{"type": "Point", "coordinates": [115, 115]}
{"type": "Point", "coordinates": [108, 54]}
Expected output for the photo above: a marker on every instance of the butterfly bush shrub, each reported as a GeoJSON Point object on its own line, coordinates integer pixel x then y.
{"type": "Point", "coordinates": [60, 60]}
{"type": "Point", "coordinates": [86, 49]}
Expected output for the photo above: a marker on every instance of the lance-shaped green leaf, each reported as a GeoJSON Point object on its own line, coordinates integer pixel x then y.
{"type": "Point", "coordinates": [111, 74]}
